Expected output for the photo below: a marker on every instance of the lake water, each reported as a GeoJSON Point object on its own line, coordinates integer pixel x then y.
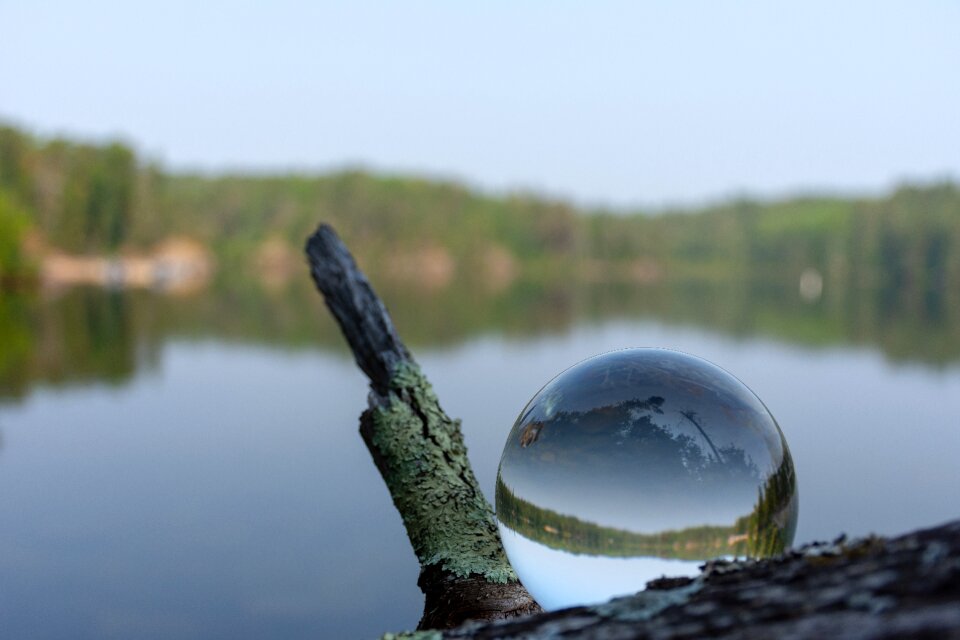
{"type": "Point", "coordinates": [191, 468]}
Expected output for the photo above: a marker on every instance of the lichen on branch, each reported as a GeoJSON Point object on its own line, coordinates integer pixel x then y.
{"type": "Point", "coordinates": [424, 462]}
{"type": "Point", "coordinates": [419, 450]}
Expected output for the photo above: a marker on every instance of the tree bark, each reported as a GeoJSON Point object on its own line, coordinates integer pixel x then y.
{"type": "Point", "coordinates": [869, 589]}
{"type": "Point", "coordinates": [419, 450]}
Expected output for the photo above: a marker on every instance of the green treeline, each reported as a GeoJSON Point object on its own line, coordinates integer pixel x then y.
{"type": "Point", "coordinates": [767, 530]}
{"type": "Point", "coordinates": [100, 198]}
{"type": "Point", "coordinates": [573, 535]}
{"type": "Point", "coordinates": [14, 223]}
{"type": "Point", "coordinates": [81, 196]}
{"type": "Point", "coordinates": [770, 527]}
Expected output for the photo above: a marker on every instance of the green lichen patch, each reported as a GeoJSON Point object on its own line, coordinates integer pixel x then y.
{"type": "Point", "coordinates": [448, 520]}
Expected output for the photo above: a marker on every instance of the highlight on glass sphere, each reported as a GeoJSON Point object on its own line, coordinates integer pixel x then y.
{"type": "Point", "coordinates": [636, 464]}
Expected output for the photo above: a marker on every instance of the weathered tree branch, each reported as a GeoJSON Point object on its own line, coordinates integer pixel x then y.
{"type": "Point", "coordinates": [361, 315]}
{"type": "Point", "coordinates": [420, 453]}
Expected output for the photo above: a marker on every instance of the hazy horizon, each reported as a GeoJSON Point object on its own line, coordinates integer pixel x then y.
{"type": "Point", "coordinates": [611, 104]}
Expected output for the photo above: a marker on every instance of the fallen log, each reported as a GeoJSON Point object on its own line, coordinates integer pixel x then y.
{"type": "Point", "coordinates": [872, 588]}
{"type": "Point", "coordinates": [905, 587]}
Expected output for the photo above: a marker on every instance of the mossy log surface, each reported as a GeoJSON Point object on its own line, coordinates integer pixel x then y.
{"type": "Point", "coordinates": [420, 453]}
{"type": "Point", "coordinates": [907, 586]}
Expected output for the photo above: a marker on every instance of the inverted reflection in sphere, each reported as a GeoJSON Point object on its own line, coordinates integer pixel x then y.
{"type": "Point", "coordinates": [636, 464]}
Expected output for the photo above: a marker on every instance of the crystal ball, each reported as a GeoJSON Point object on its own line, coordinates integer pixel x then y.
{"type": "Point", "coordinates": [636, 464]}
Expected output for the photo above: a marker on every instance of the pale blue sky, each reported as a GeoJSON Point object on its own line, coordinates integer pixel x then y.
{"type": "Point", "coordinates": [604, 102]}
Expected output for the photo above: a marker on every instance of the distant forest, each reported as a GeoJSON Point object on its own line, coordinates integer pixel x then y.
{"type": "Point", "coordinates": [101, 198]}
{"type": "Point", "coordinates": [452, 263]}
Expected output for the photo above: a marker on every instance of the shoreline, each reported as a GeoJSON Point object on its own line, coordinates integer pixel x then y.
{"type": "Point", "coordinates": [176, 266]}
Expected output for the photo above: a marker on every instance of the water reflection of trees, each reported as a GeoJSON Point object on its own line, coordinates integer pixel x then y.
{"type": "Point", "coordinates": [82, 335]}
{"type": "Point", "coordinates": [94, 335]}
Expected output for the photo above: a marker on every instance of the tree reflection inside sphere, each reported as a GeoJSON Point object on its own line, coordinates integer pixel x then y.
{"type": "Point", "coordinates": [636, 464]}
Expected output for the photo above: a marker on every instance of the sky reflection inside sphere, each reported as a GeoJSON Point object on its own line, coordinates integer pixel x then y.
{"type": "Point", "coordinates": [635, 464]}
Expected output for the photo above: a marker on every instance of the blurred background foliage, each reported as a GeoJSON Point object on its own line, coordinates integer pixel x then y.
{"type": "Point", "coordinates": [98, 198]}
{"type": "Point", "coordinates": [452, 262]}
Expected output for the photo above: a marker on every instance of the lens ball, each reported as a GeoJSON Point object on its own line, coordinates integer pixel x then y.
{"type": "Point", "coordinates": [636, 464]}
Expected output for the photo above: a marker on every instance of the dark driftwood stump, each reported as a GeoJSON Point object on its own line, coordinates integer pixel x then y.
{"type": "Point", "coordinates": [875, 588]}
{"type": "Point", "coordinates": [419, 451]}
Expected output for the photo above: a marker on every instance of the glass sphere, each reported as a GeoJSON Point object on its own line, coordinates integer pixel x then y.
{"type": "Point", "coordinates": [636, 464]}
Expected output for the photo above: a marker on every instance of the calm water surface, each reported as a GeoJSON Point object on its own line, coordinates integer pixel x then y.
{"type": "Point", "coordinates": [215, 487]}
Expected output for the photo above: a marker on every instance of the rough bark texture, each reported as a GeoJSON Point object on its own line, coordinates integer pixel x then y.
{"type": "Point", "coordinates": [361, 315]}
{"type": "Point", "coordinates": [873, 588]}
{"type": "Point", "coordinates": [420, 453]}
